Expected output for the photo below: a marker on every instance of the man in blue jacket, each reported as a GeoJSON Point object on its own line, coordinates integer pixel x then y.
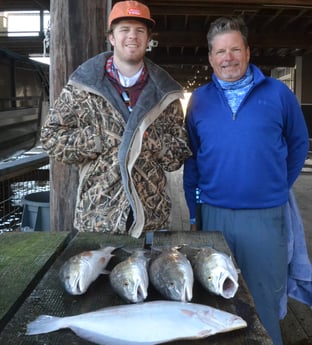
{"type": "Point", "coordinates": [249, 142]}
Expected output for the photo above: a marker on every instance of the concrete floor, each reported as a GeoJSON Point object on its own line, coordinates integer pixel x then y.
{"type": "Point", "coordinates": [303, 192]}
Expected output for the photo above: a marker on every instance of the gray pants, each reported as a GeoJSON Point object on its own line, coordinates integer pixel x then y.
{"type": "Point", "coordinates": [258, 241]}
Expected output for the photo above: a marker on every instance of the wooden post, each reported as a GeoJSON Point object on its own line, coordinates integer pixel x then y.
{"type": "Point", "coordinates": [78, 30]}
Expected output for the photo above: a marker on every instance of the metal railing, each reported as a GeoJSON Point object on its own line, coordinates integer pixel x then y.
{"type": "Point", "coordinates": [20, 176]}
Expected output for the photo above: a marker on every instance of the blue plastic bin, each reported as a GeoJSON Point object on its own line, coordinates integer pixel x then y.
{"type": "Point", "coordinates": [36, 212]}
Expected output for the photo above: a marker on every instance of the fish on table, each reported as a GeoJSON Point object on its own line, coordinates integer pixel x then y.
{"type": "Point", "coordinates": [145, 323]}
{"type": "Point", "coordinates": [216, 272]}
{"type": "Point", "coordinates": [172, 275]}
{"type": "Point", "coordinates": [79, 271]}
{"type": "Point", "coordinates": [129, 278]}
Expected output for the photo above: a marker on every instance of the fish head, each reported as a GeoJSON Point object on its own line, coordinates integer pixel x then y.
{"type": "Point", "coordinates": [227, 284]}
{"type": "Point", "coordinates": [217, 274]}
{"type": "Point", "coordinates": [81, 270]}
{"type": "Point", "coordinates": [139, 291]}
{"type": "Point", "coordinates": [70, 280]}
{"type": "Point", "coordinates": [186, 293]}
{"type": "Point", "coordinates": [130, 279]}
{"type": "Point", "coordinates": [172, 275]}
{"type": "Point", "coordinates": [74, 275]}
{"type": "Point", "coordinates": [132, 289]}
{"type": "Point", "coordinates": [179, 286]}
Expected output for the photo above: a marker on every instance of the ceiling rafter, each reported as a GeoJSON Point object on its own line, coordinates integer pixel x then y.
{"type": "Point", "coordinates": [279, 32]}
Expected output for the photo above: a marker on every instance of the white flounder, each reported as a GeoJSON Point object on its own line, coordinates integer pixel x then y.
{"type": "Point", "coordinates": [159, 322]}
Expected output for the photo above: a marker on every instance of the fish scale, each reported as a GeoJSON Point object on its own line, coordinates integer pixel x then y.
{"type": "Point", "coordinates": [129, 278]}
{"type": "Point", "coordinates": [79, 271]}
{"type": "Point", "coordinates": [172, 275]}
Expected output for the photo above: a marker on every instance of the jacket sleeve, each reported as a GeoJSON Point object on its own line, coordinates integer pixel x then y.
{"type": "Point", "coordinates": [72, 133]}
{"type": "Point", "coordinates": [297, 137]}
{"type": "Point", "coordinates": [174, 142]}
{"type": "Point", "coordinates": [190, 175]}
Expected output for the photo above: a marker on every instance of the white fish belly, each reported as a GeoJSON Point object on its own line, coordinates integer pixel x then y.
{"type": "Point", "coordinates": [159, 321]}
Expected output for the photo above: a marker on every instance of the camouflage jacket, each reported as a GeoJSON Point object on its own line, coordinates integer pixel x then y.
{"type": "Point", "coordinates": [122, 163]}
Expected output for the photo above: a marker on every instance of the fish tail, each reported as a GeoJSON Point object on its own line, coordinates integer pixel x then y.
{"type": "Point", "coordinates": [44, 324]}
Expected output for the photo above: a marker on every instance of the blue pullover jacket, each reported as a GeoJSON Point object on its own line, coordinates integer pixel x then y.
{"type": "Point", "coordinates": [249, 159]}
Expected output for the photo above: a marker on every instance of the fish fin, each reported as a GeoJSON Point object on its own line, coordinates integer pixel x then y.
{"type": "Point", "coordinates": [113, 247]}
{"type": "Point", "coordinates": [157, 250]}
{"type": "Point", "coordinates": [44, 324]}
{"type": "Point", "coordinates": [238, 271]}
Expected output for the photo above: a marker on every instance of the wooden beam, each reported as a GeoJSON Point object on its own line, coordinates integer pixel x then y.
{"type": "Point", "coordinates": [78, 34]}
{"type": "Point", "coordinates": [198, 38]}
{"type": "Point", "coordinates": [24, 5]}
{"type": "Point", "coordinates": [202, 60]}
{"type": "Point", "coordinates": [213, 3]}
{"type": "Point", "coordinates": [221, 8]}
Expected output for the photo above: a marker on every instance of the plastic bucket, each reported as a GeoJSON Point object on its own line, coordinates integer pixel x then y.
{"type": "Point", "coordinates": [36, 212]}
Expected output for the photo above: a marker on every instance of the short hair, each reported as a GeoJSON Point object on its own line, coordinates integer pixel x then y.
{"type": "Point", "coordinates": [226, 24]}
{"type": "Point", "coordinates": [114, 24]}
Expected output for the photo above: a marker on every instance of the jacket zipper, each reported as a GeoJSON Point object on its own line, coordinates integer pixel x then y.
{"type": "Point", "coordinates": [234, 115]}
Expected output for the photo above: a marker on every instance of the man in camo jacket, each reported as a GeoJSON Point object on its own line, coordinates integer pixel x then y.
{"type": "Point", "coordinates": [120, 119]}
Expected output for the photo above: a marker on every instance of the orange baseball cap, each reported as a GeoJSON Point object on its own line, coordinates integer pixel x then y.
{"type": "Point", "coordinates": [131, 10]}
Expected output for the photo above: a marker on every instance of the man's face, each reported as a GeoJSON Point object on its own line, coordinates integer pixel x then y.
{"type": "Point", "coordinates": [130, 39]}
{"type": "Point", "coordinates": [229, 56]}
